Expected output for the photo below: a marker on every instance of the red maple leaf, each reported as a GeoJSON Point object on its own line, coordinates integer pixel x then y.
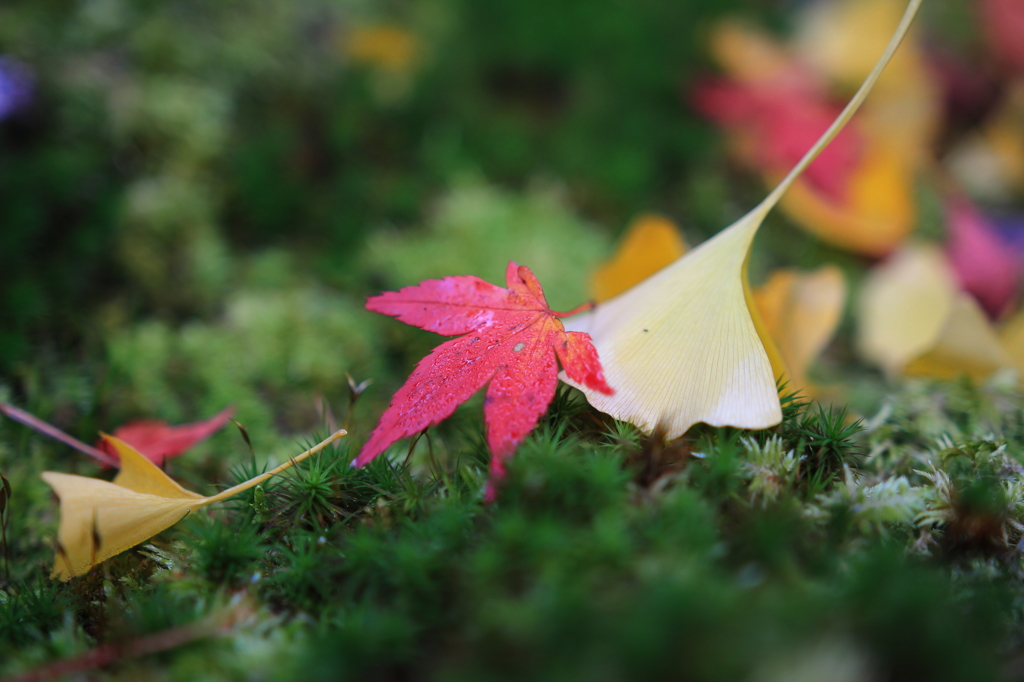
{"type": "Point", "coordinates": [511, 339]}
{"type": "Point", "coordinates": [157, 440]}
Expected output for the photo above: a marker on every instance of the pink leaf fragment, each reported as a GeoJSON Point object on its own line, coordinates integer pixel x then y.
{"type": "Point", "coordinates": [985, 265]}
{"type": "Point", "coordinates": [158, 441]}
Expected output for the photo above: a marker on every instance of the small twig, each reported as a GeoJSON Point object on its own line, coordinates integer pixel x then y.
{"type": "Point", "coordinates": [582, 308]}
{"type": "Point", "coordinates": [245, 436]}
{"type": "Point", "coordinates": [354, 391]}
{"type": "Point", "coordinates": [23, 417]}
{"type": "Point", "coordinates": [412, 446]}
{"type": "Point", "coordinates": [134, 648]}
{"type": "Point", "coordinates": [326, 414]}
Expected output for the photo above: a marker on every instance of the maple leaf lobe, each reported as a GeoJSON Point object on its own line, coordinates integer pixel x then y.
{"type": "Point", "coordinates": [524, 341]}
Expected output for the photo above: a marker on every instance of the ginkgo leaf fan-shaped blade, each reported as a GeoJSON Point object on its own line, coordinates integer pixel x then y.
{"type": "Point", "coordinates": [99, 520]}
{"type": "Point", "coordinates": [682, 346]}
{"type": "Point", "coordinates": [140, 475]}
{"type": "Point", "coordinates": [688, 320]}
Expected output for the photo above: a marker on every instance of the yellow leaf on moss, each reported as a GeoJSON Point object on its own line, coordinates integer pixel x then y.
{"type": "Point", "coordinates": [100, 519]}
{"type": "Point", "coordinates": [912, 319]}
{"type": "Point", "coordinates": [139, 474]}
{"type": "Point", "coordinates": [651, 242]}
{"type": "Point", "coordinates": [683, 346]}
{"type": "Point", "coordinates": [967, 345]}
{"type": "Point", "coordinates": [801, 312]}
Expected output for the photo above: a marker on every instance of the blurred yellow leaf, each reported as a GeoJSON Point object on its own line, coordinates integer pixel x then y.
{"type": "Point", "coordinates": [749, 55]}
{"type": "Point", "coordinates": [651, 242]}
{"type": "Point", "coordinates": [99, 519]}
{"type": "Point", "coordinates": [859, 196]}
{"type": "Point", "coordinates": [683, 346]}
{"type": "Point", "coordinates": [914, 320]}
{"type": "Point", "coordinates": [877, 215]}
{"type": "Point", "coordinates": [389, 47]}
{"type": "Point", "coordinates": [991, 162]}
{"type": "Point", "coordinates": [966, 345]}
{"type": "Point", "coordinates": [801, 311]}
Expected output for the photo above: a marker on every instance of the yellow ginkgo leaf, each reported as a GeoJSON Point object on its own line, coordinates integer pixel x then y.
{"type": "Point", "coordinates": [748, 55]}
{"type": "Point", "coordinates": [684, 345]}
{"type": "Point", "coordinates": [914, 320]}
{"type": "Point", "coordinates": [903, 306]}
{"type": "Point", "coordinates": [100, 519]}
{"type": "Point", "coordinates": [801, 312]}
{"type": "Point", "coordinates": [651, 242]}
{"type": "Point", "coordinates": [967, 345]}
{"type": "Point", "coordinates": [139, 474]}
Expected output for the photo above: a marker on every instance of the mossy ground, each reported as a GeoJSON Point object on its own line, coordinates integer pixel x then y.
{"type": "Point", "coordinates": [193, 208]}
{"type": "Point", "coordinates": [823, 547]}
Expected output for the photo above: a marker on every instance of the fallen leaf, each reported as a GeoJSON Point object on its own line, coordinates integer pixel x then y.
{"type": "Point", "coordinates": [877, 211]}
{"type": "Point", "coordinates": [859, 195]}
{"type": "Point", "coordinates": [686, 345]}
{"type": "Point", "coordinates": [801, 311]}
{"type": "Point", "coordinates": [651, 242]}
{"type": "Point", "coordinates": [1003, 21]}
{"type": "Point", "coordinates": [913, 319]}
{"type": "Point", "coordinates": [989, 162]}
{"type": "Point", "coordinates": [100, 519]}
{"type": "Point", "coordinates": [771, 125]}
{"type": "Point", "coordinates": [157, 440]}
{"type": "Point", "coordinates": [984, 263]}
{"type": "Point", "coordinates": [967, 345]}
{"type": "Point", "coordinates": [388, 47]}
{"type": "Point", "coordinates": [511, 340]}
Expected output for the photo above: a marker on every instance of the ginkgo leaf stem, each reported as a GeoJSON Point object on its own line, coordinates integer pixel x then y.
{"type": "Point", "coordinates": [851, 108]}
{"type": "Point", "coordinates": [252, 482]}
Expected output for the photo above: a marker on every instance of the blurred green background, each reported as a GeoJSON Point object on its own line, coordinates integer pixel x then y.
{"type": "Point", "coordinates": [189, 184]}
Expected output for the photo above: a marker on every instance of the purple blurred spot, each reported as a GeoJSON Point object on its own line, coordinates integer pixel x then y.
{"type": "Point", "coordinates": [16, 86]}
{"type": "Point", "coordinates": [1011, 228]}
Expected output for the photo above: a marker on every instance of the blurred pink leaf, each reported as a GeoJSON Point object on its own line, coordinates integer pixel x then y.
{"type": "Point", "coordinates": [1004, 24]}
{"type": "Point", "coordinates": [984, 263]}
{"type": "Point", "coordinates": [777, 125]}
{"type": "Point", "coordinates": [157, 440]}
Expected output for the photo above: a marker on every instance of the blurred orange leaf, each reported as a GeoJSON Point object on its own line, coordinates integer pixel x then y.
{"type": "Point", "coordinates": [651, 242]}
